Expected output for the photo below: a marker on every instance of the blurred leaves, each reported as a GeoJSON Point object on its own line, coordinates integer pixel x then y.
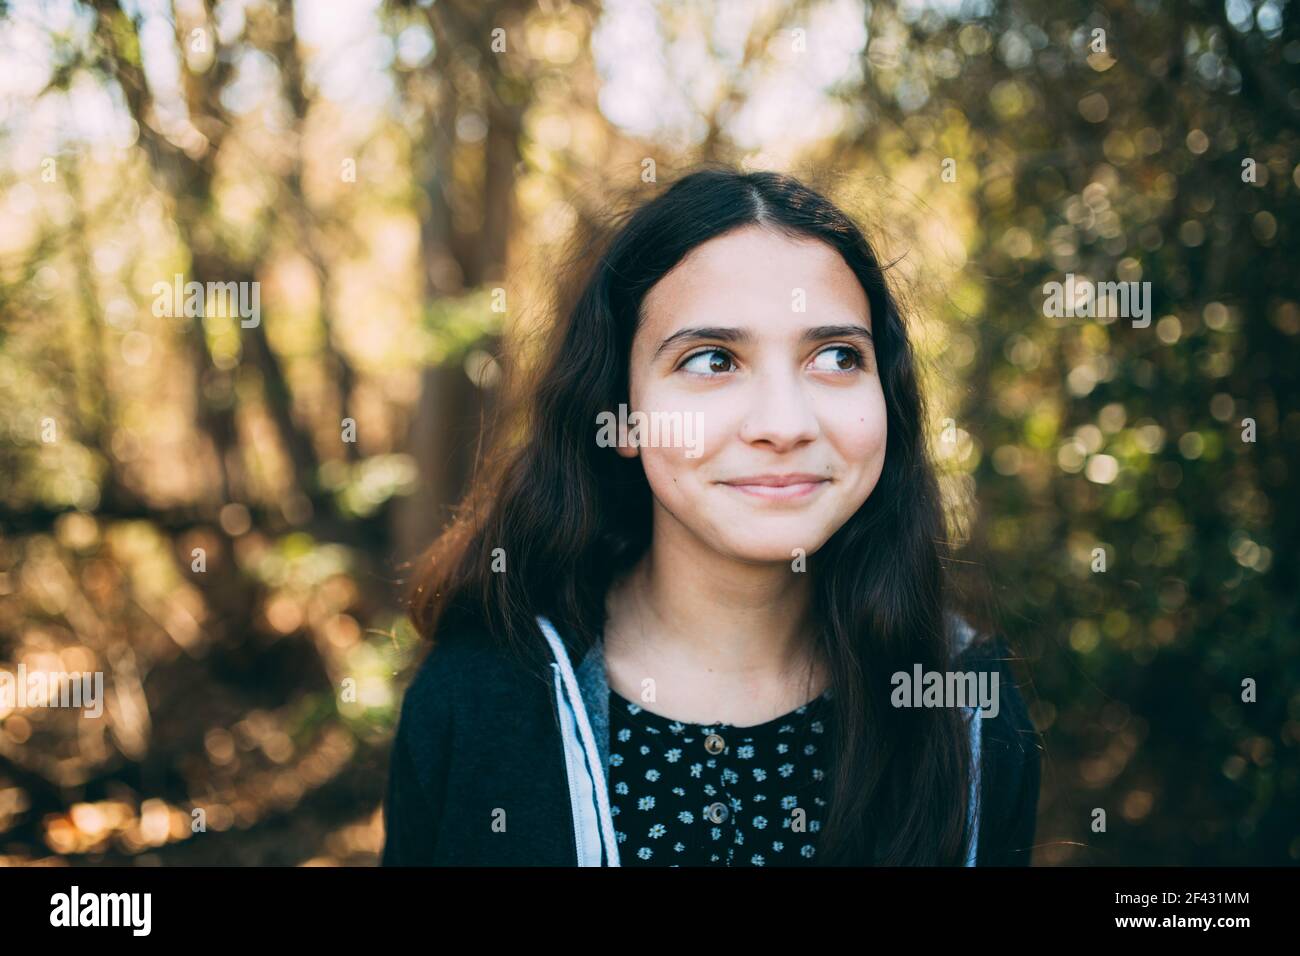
{"type": "Point", "coordinates": [215, 516]}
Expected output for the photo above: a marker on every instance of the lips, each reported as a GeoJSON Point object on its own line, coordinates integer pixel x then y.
{"type": "Point", "coordinates": [778, 487]}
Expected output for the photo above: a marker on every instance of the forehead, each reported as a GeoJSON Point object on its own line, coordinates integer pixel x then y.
{"type": "Point", "coordinates": [752, 273]}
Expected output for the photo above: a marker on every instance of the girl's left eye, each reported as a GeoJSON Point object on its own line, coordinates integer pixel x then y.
{"type": "Point", "coordinates": [838, 356]}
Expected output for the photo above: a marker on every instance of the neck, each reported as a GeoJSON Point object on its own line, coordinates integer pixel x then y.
{"type": "Point", "coordinates": [689, 607]}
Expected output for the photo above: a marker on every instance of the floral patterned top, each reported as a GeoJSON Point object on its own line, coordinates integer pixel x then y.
{"type": "Point", "coordinates": [716, 794]}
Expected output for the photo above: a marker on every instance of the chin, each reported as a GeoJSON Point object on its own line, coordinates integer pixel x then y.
{"type": "Point", "coordinates": [775, 545]}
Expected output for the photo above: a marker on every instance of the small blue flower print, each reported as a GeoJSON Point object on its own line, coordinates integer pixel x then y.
{"type": "Point", "coordinates": [645, 853]}
{"type": "Point", "coordinates": [652, 775]}
{"type": "Point", "coordinates": [673, 755]}
{"type": "Point", "coordinates": [757, 859]}
{"type": "Point", "coordinates": [785, 769]}
{"type": "Point", "coordinates": [657, 831]}
{"type": "Point", "coordinates": [807, 852]}
{"type": "Point", "coordinates": [760, 774]}
{"type": "Point", "coordinates": [624, 735]}
{"type": "Point", "coordinates": [616, 760]}
{"type": "Point", "coordinates": [645, 803]}
{"type": "Point", "coordinates": [686, 816]}
{"type": "Point", "coordinates": [745, 752]}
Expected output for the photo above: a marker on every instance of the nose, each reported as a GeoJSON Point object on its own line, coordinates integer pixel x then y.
{"type": "Point", "coordinates": [780, 413]}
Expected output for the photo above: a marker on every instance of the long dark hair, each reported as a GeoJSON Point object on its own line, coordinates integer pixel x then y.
{"type": "Point", "coordinates": [569, 516]}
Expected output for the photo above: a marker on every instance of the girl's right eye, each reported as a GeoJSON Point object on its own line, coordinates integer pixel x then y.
{"type": "Point", "coordinates": [708, 362]}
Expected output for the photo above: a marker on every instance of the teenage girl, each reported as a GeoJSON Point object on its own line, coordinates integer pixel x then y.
{"type": "Point", "coordinates": [675, 641]}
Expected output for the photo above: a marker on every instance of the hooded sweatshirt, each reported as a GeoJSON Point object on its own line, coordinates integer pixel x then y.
{"type": "Point", "coordinates": [496, 765]}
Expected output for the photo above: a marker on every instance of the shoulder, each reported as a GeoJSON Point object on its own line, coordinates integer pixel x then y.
{"type": "Point", "coordinates": [465, 666]}
{"type": "Point", "coordinates": [988, 653]}
{"type": "Point", "coordinates": [466, 685]}
{"type": "Point", "coordinates": [1010, 743]}
{"type": "Point", "coordinates": [1010, 750]}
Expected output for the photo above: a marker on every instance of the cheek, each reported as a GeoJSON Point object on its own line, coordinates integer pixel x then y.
{"type": "Point", "coordinates": [672, 477]}
{"type": "Point", "coordinates": [665, 464]}
{"type": "Point", "coordinates": [858, 431]}
{"type": "Point", "coordinates": [686, 435]}
{"type": "Point", "coordinates": [677, 466]}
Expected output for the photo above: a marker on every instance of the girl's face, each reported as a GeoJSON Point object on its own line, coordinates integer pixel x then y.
{"type": "Point", "coordinates": [765, 342]}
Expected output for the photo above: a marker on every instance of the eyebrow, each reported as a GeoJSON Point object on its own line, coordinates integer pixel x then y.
{"type": "Point", "coordinates": [728, 334]}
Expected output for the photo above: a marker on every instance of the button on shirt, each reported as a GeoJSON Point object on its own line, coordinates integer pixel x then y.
{"type": "Point", "coordinates": [715, 794]}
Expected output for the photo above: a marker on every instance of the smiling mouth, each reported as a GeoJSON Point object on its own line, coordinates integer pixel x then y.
{"type": "Point", "coordinates": [777, 487]}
